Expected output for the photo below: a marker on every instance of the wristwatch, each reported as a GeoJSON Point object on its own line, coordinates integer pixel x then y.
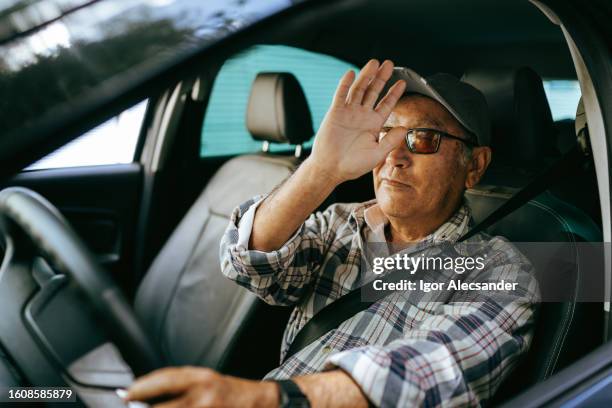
{"type": "Point", "coordinates": [290, 395]}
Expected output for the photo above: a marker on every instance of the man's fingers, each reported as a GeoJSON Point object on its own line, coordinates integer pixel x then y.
{"type": "Point", "coordinates": [392, 139]}
{"type": "Point", "coordinates": [344, 86]}
{"type": "Point", "coordinates": [368, 72]}
{"type": "Point", "coordinates": [158, 383]}
{"type": "Point", "coordinates": [378, 83]}
{"type": "Point", "coordinates": [386, 105]}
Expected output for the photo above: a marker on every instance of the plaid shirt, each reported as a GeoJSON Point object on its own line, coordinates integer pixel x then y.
{"type": "Point", "coordinates": [404, 352]}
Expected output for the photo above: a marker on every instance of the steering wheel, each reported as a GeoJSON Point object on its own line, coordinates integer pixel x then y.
{"type": "Point", "coordinates": [26, 214]}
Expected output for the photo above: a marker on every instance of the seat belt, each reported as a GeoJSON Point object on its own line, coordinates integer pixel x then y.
{"type": "Point", "coordinates": [347, 306]}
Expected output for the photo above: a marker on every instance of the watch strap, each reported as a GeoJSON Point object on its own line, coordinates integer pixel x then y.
{"type": "Point", "coordinates": [291, 396]}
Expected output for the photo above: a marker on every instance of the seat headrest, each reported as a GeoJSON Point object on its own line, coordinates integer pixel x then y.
{"type": "Point", "coordinates": [277, 110]}
{"type": "Point", "coordinates": [522, 124]}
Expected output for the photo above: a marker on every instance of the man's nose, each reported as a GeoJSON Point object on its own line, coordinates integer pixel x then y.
{"type": "Point", "coordinates": [399, 157]}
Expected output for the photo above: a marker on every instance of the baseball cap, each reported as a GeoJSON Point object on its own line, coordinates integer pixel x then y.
{"type": "Point", "coordinates": [466, 103]}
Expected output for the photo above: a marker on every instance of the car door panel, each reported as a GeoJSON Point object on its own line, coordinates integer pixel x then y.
{"type": "Point", "coordinates": [101, 203]}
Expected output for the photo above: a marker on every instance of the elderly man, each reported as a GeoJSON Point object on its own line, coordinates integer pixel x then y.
{"type": "Point", "coordinates": [422, 142]}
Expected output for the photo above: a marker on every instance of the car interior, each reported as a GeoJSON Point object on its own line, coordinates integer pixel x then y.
{"type": "Point", "coordinates": [155, 224]}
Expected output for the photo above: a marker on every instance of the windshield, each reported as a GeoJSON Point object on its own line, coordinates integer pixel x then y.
{"type": "Point", "coordinates": [59, 58]}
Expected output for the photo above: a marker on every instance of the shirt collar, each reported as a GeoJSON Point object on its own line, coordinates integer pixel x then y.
{"type": "Point", "coordinates": [450, 231]}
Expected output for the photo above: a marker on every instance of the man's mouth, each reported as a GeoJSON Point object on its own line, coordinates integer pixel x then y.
{"type": "Point", "coordinates": [395, 183]}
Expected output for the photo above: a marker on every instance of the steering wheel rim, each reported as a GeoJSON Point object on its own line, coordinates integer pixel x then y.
{"type": "Point", "coordinates": [57, 242]}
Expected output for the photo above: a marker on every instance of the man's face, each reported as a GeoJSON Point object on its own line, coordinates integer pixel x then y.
{"type": "Point", "coordinates": [429, 185]}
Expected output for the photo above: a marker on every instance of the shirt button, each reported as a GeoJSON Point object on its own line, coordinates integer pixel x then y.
{"type": "Point", "coordinates": [326, 349]}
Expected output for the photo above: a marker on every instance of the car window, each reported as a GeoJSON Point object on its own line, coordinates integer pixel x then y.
{"type": "Point", "coordinates": [224, 131]}
{"type": "Point", "coordinates": [563, 96]}
{"type": "Point", "coordinates": [113, 142]}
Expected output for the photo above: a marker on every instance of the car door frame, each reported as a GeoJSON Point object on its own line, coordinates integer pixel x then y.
{"type": "Point", "coordinates": [101, 202]}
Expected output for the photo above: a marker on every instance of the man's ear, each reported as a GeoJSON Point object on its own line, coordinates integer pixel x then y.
{"type": "Point", "coordinates": [481, 157]}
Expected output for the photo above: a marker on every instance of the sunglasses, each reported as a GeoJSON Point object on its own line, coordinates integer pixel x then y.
{"type": "Point", "coordinates": [424, 140]}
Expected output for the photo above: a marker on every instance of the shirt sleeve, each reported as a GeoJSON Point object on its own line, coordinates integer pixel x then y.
{"type": "Point", "coordinates": [457, 356]}
{"type": "Point", "coordinates": [278, 277]}
{"type": "Point", "coordinates": [245, 224]}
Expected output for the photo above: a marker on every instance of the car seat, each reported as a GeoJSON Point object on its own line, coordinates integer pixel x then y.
{"type": "Point", "coordinates": [523, 129]}
{"type": "Point", "coordinates": [190, 309]}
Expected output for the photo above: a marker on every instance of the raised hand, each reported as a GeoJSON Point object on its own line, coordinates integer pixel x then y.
{"type": "Point", "coordinates": [347, 144]}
